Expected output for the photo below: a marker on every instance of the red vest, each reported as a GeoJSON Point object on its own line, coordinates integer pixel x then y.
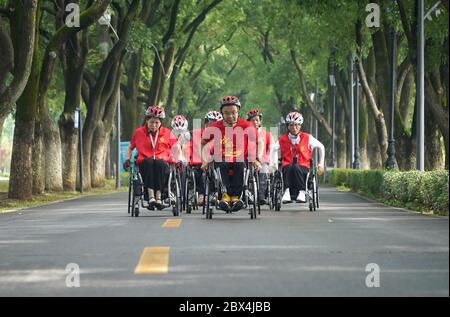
{"type": "Point", "coordinates": [301, 150]}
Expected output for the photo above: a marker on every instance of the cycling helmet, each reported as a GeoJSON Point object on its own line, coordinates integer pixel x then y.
{"type": "Point", "coordinates": [253, 113]}
{"type": "Point", "coordinates": [230, 100]}
{"type": "Point", "coordinates": [213, 116]}
{"type": "Point", "coordinates": [155, 112]}
{"type": "Point", "coordinates": [179, 123]}
{"type": "Point", "coordinates": [294, 117]}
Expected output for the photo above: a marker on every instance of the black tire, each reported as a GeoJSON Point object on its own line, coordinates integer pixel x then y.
{"type": "Point", "coordinates": [129, 195]}
{"type": "Point", "coordinates": [136, 211]}
{"type": "Point", "coordinates": [206, 206]}
{"type": "Point", "coordinates": [254, 190]}
{"type": "Point", "coordinates": [277, 204]}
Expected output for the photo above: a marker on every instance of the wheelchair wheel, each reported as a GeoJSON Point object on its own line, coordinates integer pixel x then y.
{"type": "Point", "coordinates": [130, 184]}
{"type": "Point", "coordinates": [253, 190]}
{"type": "Point", "coordinates": [190, 199]}
{"type": "Point", "coordinates": [312, 191]}
{"type": "Point", "coordinates": [176, 209]}
{"type": "Point", "coordinates": [206, 205]}
{"type": "Point", "coordinates": [257, 190]}
{"type": "Point", "coordinates": [269, 193]}
{"type": "Point", "coordinates": [278, 191]}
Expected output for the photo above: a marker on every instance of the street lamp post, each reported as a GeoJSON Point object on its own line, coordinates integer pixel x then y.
{"type": "Point", "coordinates": [333, 121]}
{"type": "Point", "coordinates": [118, 167]}
{"type": "Point", "coordinates": [356, 162]}
{"type": "Point", "coordinates": [420, 91]}
{"type": "Point", "coordinates": [352, 114]}
{"type": "Point", "coordinates": [391, 162]}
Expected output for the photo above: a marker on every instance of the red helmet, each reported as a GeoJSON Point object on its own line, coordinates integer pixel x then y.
{"type": "Point", "coordinates": [213, 116]}
{"type": "Point", "coordinates": [230, 100]}
{"type": "Point", "coordinates": [294, 117]}
{"type": "Point", "coordinates": [155, 112]}
{"type": "Point", "coordinates": [179, 123]}
{"type": "Point", "coordinates": [253, 113]}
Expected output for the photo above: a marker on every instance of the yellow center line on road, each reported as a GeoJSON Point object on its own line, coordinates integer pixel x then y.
{"type": "Point", "coordinates": [154, 260]}
{"type": "Point", "coordinates": [172, 223]}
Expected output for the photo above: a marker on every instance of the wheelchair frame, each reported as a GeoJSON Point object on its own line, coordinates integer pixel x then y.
{"type": "Point", "coordinates": [249, 193]}
{"type": "Point", "coordinates": [136, 191]}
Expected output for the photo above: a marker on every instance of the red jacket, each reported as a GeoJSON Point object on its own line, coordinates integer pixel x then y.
{"type": "Point", "coordinates": [301, 150]}
{"type": "Point", "coordinates": [142, 142]}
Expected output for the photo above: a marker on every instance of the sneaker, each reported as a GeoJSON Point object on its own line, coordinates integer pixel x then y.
{"type": "Point", "coordinates": [224, 205]}
{"type": "Point", "coordinates": [301, 198]}
{"type": "Point", "coordinates": [286, 197]}
{"type": "Point", "coordinates": [238, 205]}
{"type": "Point", "coordinates": [159, 205]}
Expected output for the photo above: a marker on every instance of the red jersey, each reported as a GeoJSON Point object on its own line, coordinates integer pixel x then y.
{"type": "Point", "coordinates": [267, 138]}
{"type": "Point", "coordinates": [143, 141]}
{"type": "Point", "coordinates": [232, 144]}
{"type": "Point", "coordinates": [301, 150]}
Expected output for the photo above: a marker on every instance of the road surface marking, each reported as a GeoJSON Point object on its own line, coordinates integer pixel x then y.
{"type": "Point", "coordinates": [172, 223]}
{"type": "Point", "coordinates": [154, 260]}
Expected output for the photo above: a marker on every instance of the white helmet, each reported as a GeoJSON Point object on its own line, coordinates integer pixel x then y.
{"type": "Point", "coordinates": [213, 116]}
{"type": "Point", "coordinates": [179, 123]}
{"type": "Point", "coordinates": [294, 117]}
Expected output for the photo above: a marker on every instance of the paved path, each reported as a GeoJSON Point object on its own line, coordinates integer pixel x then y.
{"type": "Point", "coordinates": [289, 253]}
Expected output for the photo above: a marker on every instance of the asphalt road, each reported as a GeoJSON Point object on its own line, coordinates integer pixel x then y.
{"type": "Point", "coordinates": [289, 253]}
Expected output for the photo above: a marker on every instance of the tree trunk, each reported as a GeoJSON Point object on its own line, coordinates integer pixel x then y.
{"type": "Point", "coordinates": [38, 158]}
{"type": "Point", "coordinates": [52, 154]}
{"type": "Point", "coordinates": [363, 134]}
{"type": "Point", "coordinates": [341, 144]}
{"type": "Point", "coordinates": [23, 36]}
{"type": "Point", "coordinates": [21, 176]}
{"type": "Point", "coordinates": [76, 53]}
{"type": "Point", "coordinates": [98, 157]}
{"type": "Point", "coordinates": [373, 146]}
{"type": "Point", "coordinates": [433, 150]}
{"type": "Point", "coordinates": [131, 107]}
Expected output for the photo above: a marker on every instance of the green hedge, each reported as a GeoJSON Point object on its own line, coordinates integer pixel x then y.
{"type": "Point", "coordinates": [424, 191]}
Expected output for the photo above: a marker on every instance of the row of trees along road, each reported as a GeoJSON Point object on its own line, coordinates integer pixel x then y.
{"type": "Point", "coordinates": [186, 54]}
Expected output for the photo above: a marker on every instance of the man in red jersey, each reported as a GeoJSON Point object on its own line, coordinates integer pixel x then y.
{"type": "Point", "coordinates": [235, 143]}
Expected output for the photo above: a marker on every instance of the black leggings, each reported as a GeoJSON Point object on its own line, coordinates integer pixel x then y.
{"type": "Point", "coordinates": [294, 177]}
{"type": "Point", "coordinates": [232, 177]}
{"type": "Point", "coordinates": [154, 173]}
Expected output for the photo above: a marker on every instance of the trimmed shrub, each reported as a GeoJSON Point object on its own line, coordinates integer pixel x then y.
{"type": "Point", "coordinates": [412, 189]}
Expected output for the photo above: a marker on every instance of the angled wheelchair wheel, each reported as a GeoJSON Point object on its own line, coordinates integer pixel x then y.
{"type": "Point", "coordinates": [130, 185]}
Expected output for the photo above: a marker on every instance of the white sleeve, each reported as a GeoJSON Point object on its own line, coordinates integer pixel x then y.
{"type": "Point", "coordinates": [314, 143]}
{"type": "Point", "coordinates": [273, 156]}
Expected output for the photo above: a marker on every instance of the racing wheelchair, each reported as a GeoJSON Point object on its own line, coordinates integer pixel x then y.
{"type": "Point", "coordinates": [138, 194]}
{"type": "Point", "coordinates": [214, 188]}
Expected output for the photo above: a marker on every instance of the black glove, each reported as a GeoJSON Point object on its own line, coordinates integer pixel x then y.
{"type": "Point", "coordinates": [126, 165]}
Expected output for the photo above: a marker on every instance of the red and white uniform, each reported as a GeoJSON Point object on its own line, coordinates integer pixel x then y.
{"type": "Point", "coordinates": [301, 146]}
{"type": "Point", "coordinates": [153, 145]}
